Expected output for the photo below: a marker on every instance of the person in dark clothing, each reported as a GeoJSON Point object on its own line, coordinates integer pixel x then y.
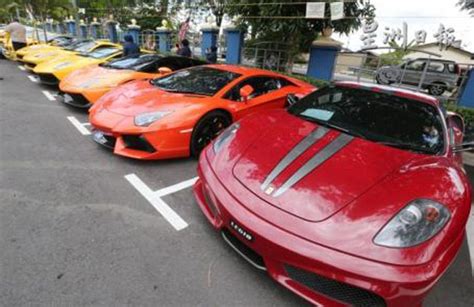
{"type": "Point", "coordinates": [130, 49]}
{"type": "Point", "coordinates": [211, 54]}
{"type": "Point", "coordinates": [184, 50]}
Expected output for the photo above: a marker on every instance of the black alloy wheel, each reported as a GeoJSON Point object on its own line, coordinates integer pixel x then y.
{"type": "Point", "coordinates": [207, 129]}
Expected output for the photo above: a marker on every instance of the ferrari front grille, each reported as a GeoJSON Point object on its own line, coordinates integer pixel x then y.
{"type": "Point", "coordinates": [342, 292]}
{"type": "Point", "coordinates": [137, 142]}
{"type": "Point", "coordinates": [48, 79]}
{"type": "Point", "coordinates": [243, 250]}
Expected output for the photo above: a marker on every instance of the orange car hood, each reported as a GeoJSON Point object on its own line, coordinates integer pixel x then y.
{"type": "Point", "coordinates": [95, 76]}
{"type": "Point", "coordinates": [141, 97]}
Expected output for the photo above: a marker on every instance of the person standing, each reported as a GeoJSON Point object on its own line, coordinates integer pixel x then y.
{"type": "Point", "coordinates": [211, 54]}
{"type": "Point", "coordinates": [17, 33]}
{"type": "Point", "coordinates": [130, 48]}
{"type": "Point", "coordinates": [184, 50]}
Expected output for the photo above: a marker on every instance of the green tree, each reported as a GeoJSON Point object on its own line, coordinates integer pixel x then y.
{"type": "Point", "coordinates": [467, 5]}
{"type": "Point", "coordinates": [275, 20]}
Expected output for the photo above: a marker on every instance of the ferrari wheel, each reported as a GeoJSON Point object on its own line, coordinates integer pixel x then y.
{"type": "Point", "coordinates": [208, 127]}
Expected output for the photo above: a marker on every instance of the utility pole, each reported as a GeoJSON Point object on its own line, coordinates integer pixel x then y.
{"type": "Point", "coordinates": [76, 15]}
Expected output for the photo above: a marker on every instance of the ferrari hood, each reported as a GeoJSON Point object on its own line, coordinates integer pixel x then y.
{"type": "Point", "coordinates": [140, 97]}
{"type": "Point", "coordinates": [312, 171]}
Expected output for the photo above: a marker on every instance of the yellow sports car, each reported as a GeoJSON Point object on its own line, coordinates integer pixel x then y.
{"type": "Point", "coordinates": [34, 58]}
{"type": "Point", "coordinates": [6, 46]}
{"type": "Point", "coordinates": [51, 72]}
{"type": "Point", "coordinates": [55, 43]}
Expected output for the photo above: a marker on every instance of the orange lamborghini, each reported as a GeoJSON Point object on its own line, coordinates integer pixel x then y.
{"type": "Point", "coordinates": [177, 115]}
{"type": "Point", "coordinates": [86, 85]}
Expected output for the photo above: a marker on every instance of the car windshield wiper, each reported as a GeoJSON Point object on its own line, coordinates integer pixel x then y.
{"type": "Point", "coordinates": [333, 126]}
{"type": "Point", "coordinates": [408, 146]}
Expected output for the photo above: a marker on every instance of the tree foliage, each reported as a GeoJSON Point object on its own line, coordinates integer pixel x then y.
{"type": "Point", "coordinates": [467, 5]}
{"type": "Point", "coordinates": [275, 20]}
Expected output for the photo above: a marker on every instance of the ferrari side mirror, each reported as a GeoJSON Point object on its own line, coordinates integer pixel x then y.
{"type": "Point", "coordinates": [245, 92]}
{"type": "Point", "coordinates": [291, 99]}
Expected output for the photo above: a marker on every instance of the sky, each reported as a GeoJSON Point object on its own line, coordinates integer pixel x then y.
{"type": "Point", "coordinates": [419, 15]}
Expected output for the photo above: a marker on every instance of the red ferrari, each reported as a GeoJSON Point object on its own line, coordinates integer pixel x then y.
{"type": "Point", "coordinates": [354, 195]}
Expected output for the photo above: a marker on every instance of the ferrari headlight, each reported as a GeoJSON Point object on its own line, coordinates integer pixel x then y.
{"type": "Point", "coordinates": [145, 119]}
{"type": "Point", "coordinates": [418, 222]}
{"type": "Point", "coordinates": [225, 136]}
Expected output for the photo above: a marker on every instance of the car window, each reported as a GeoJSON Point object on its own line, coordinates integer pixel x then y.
{"type": "Point", "coordinates": [416, 65]}
{"type": "Point", "coordinates": [261, 86]}
{"type": "Point", "coordinates": [436, 67]}
{"type": "Point", "coordinates": [380, 117]}
{"type": "Point", "coordinates": [452, 68]}
{"type": "Point", "coordinates": [199, 80]}
{"type": "Point", "coordinates": [135, 63]}
{"type": "Point", "coordinates": [103, 52]}
{"type": "Point", "coordinates": [83, 46]}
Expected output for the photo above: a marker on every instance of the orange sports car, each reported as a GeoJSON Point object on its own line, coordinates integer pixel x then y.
{"type": "Point", "coordinates": [177, 115]}
{"type": "Point", "coordinates": [86, 85]}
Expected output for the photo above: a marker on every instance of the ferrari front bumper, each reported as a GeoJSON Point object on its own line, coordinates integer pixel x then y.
{"type": "Point", "coordinates": [317, 273]}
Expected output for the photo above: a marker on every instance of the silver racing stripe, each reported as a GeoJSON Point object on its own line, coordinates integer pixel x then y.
{"type": "Point", "coordinates": [318, 159]}
{"type": "Point", "coordinates": [299, 149]}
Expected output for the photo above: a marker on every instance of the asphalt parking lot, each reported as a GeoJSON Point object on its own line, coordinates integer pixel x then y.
{"type": "Point", "coordinates": [76, 227]}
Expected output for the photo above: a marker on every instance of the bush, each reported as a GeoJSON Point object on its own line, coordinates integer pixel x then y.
{"type": "Point", "coordinates": [316, 82]}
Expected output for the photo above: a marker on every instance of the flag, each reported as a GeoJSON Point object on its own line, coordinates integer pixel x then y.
{"type": "Point", "coordinates": [183, 30]}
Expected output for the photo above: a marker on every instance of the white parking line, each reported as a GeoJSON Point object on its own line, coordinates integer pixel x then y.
{"type": "Point", "coordinates": [21, 67]}
{"type": "Point", "coordinates": [49, 96]}
{"type": "Point", "coordinates": [33, 78]}
{"type": "Point", "coordinates": [169, 214]}
{"type": "Point", "coordinates": [79, 126]}
{"type": "Point", "coordinates": [176, 187]}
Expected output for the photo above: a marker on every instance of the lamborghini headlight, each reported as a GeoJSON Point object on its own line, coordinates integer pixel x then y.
{"type": "Point", "coordinates": [145, 119]}
{"type": "Point", "coordinates": [225, 137]}
{"type": "Point", "coordinates": [418, 222]}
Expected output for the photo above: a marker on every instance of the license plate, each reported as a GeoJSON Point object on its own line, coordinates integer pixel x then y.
{"type": "Point", "coordinates": [241, 231]}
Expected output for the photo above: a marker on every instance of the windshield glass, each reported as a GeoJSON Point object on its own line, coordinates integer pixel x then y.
{"type": "Point", "coordinates": [133, 63]}
{"type": "Point", "coordinates": [391, 120]}
{"type": "Point", "coordinates": [100, 53]}
{"type": "Point", "coordinates": [197, 80]}
{"type": "Point", "coordinates": [82, 46]}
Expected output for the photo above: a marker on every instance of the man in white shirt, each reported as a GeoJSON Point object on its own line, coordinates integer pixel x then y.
{"type": "Point", "coordinates": [17, 33]}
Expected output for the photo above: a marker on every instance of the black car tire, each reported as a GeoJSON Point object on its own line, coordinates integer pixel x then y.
{"type": "Point", "coordinates": [436, 89]}
{"type": "Point", "coordinates": [208, 128]}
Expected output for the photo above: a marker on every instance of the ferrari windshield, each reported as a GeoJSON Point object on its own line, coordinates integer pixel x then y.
{"type": "Point", "coordinates": [135, 63]}
{"type": "Point", "coordinates": [197, 80]}
{"type": "Point", "coordinates": [100, 53]}
{"type": "Point", "coordinates": [387, 119]}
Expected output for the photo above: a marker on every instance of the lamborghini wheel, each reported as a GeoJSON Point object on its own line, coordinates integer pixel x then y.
{"type": "Point", "coordinates": [208, 127]}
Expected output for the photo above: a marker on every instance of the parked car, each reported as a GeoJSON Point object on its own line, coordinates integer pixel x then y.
{"type": "Point", "coordinates": [355, 195]}
{"type": "Point", "coordinates": [86, 85]}
{"type": "Point", "coordinates": [178, 114]}
{"type": "Point", "coordinates": [440, 75]}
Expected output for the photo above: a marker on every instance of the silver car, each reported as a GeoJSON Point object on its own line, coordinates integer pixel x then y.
{"type": "Point", "coordinates": [438, 75]}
